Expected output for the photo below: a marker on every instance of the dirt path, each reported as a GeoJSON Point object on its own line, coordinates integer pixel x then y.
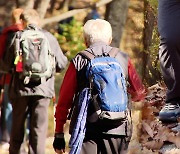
{"type": "Point", "coordinates": [49, 148]}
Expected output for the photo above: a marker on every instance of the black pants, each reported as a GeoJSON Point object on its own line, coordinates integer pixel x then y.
{"type": "Point", "coordinates": [105, 145]}
{"type": "Point", "coordinates": [169, 52]}
{"type": "Point", "coordinates": [37, 108]}
{"type": "Point", "coordinates": [169, 55]}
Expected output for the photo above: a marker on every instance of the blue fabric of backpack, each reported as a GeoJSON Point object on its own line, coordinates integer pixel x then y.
{"type": "Point", "coordinates": [106, 76]}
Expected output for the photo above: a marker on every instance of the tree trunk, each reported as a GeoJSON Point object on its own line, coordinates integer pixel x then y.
{"type": "Point", "coordinates": [149, 20]}
{"type": "Point", "coordinates": [42, 7]}
{"type": "Point", "coordinates": [52, 6]}
{"type": "Point", "coordinates": [116, 14]}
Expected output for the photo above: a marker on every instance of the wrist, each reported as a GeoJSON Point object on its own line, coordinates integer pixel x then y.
{"type": "Point", "coordinates": [59, 135]}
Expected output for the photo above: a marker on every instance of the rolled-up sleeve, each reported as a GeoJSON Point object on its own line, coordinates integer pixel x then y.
{"type": "Point", "coordinates": [136, 88]}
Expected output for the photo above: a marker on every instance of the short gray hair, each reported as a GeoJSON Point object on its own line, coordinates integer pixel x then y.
{"type": "Point", "coordinates": [30, 16]}
{"type": "Point", "coordinates": [97, 30]}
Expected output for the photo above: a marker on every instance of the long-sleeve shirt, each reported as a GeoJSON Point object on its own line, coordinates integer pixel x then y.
{"type": "Point", "coordinates": [4, 46]}
{"type": "Point", "coordinates": [69, 88]}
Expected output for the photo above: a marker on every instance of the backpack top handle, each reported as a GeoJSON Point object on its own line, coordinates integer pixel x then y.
{"type": "Point", "coordinates": [112, 53]}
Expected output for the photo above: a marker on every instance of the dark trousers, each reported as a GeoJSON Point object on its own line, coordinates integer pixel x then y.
{"type": "Point", "coordinates": [169, 55]}
{"type": "Point", "coordinates": [37, 108]}
{"type": "Point", "coordinates": [106, 145]}
{"type": "Point", "coordinates": [6, 117]}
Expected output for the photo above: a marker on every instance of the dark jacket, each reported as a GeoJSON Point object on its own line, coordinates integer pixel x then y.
{"type": "Point", "coordinates": [46, 89]}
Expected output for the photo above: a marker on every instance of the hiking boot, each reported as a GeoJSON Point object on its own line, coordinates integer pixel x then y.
{"type": "Point", "coordinates": [170, 112]}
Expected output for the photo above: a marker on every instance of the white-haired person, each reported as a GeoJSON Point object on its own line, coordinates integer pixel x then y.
{"type": "Point", "coordinates": [98, 138]}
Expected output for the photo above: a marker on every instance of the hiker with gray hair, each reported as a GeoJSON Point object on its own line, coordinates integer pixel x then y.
{"type": "Point", "coordinates": [97, 126]}
{"type": "Point", "coordinates": [37, 55]}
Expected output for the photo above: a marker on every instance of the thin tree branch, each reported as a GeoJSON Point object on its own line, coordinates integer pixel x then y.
{"type": "Point", "coordinates": [71, 13]}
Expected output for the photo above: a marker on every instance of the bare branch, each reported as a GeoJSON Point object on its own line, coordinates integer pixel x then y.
{"type": "Point", "coordinates": [71, 13]}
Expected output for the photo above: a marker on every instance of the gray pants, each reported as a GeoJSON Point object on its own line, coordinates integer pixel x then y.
{"type": "Point", "coordinates": [169, 55]}
{"type": "Point", "coordinates": [37, 108]}
{"type": "Point", "coordinates": [108, 145]}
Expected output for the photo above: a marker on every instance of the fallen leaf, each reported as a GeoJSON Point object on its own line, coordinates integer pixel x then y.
{"type": "Point", "coordinates": [147, 128]}
{"type": "Point", "coordinates": [154, 145]}
{"type": "Point", "coordinates": [174, 138]}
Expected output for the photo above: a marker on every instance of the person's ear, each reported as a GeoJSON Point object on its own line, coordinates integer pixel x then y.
{"type": "Point", "coordinates": [110, 40]}
{"type": "Point", "coordinates": [24, 24]}
{"type": "Point", "coordinates": [86, 42]}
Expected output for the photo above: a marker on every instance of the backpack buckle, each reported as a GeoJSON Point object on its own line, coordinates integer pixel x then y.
{"type": "Point", "coordinates": [27, 78]}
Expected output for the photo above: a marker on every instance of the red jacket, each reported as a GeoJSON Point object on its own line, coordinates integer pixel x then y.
{"type": "Point", "coordinates": [3, 39]}
{"type": "Point", "coordinates": [66, 94]}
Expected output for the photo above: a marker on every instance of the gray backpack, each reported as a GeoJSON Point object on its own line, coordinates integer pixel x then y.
{"type": "Point", "coordinates": [35, 62]}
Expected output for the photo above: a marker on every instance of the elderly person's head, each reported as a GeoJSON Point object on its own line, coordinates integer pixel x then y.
{"type": "Point", "coordinates": [30, 16]}
{"type": "Point", "coordinates": [97, 30]}
{"type": "Point", "coordinates": [16, 13]}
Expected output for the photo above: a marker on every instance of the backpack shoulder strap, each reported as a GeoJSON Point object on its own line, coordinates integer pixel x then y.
{"type": "Point", "coordinates": [113, 52]}
{"type": "Point", "coordinates": [87, 54]}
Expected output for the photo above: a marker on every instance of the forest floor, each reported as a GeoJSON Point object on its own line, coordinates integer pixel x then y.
{"type": "Point", "coordinates": [150, 136]}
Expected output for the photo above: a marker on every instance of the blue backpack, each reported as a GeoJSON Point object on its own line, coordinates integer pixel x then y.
{"type": "Point", "coordinates": [108, 87]}
{"type": "Point", "coordinates": [105, 100]}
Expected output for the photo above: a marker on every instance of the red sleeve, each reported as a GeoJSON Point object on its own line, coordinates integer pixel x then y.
{"type": "Point", "coordinates": [66, 94]}
{"type": "Point", "coordinates": [136, 88]}
{"type": "Point", "coordinates": [3, 38]}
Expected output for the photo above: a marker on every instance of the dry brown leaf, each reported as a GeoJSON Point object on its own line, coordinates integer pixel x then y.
{"type": "Point", "coordinates": [162, 133]}
{"type": "Point", "coordinates": [152, 128]}
{"type": "Point", "coordinates": [134, 149]}
{"type": "Point", "coordinates": [147, 113]}
{"type": "Point", "coordinates": [174, 138]}
{"type": "Point", "coordinates": [148, 129]}
{"type": "Point", "coordinates": [154, 145]}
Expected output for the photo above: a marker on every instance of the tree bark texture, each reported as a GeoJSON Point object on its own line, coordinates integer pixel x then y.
{"type": "Point", "coordinates": [149, 23]}
{"type": "Point", "coordinates": [116, 14]}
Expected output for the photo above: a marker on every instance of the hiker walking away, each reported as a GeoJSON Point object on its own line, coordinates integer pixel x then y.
{"type": "Point", "coordinates": [32, 87]}
{"type": "Point", "coordinates": [93, 14]}
{"type": "Point", "coordinates": [5, 77]}
{"type": "Point", "coordinates": [102, 133]}
{"type": "Point", "coordinates": [169, 56]}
